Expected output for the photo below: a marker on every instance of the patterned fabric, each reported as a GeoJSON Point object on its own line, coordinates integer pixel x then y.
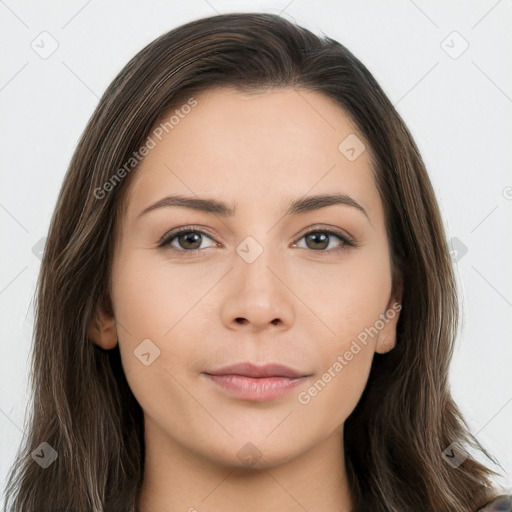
{"type": "Point", "coordinates": [502, 503]}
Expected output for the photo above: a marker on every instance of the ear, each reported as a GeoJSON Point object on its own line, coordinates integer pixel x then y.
{"type": "Point", "coordinates": [102, 326]}
{"type": "Point", "coordinates": [386, 339]}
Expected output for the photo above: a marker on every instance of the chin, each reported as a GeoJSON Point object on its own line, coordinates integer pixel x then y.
{"type": "Point", "coordinates": [251, 455]}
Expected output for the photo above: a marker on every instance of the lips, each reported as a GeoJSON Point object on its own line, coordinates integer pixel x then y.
{"type": "Point", "coordinates": [256, 372]}
{"type": "Point", "coordinates": [252, 383]}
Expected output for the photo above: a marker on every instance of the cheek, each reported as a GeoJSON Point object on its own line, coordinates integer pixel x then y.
{"type": "Point", "coordinates": [154, 305]}
{"type": "Point", "coordinates": [350, 303]}
{"type": "Point", "coordinates": [160, 301]}
{"type": "Point", "coordinates": [349, 299]}
{"type": "Point", "coordinates": [337, 387]}
{"type": "Point", "coordinates": [153, 296]}
{"type": "Point", "coordinates": [347, 296]}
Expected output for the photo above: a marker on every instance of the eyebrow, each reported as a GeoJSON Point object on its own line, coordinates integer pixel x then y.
{"type": "Point", "coordinates": [295, 206]}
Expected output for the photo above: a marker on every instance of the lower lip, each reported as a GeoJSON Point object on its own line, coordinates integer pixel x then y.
{"type": "Point", "coordinates": [261, 389]}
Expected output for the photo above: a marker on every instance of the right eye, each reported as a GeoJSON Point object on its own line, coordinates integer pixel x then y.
{"type": "Point", "coordinates": [184, 239]}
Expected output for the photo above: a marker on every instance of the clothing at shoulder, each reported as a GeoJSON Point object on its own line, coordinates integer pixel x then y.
{"type": "Point", "coordinates": [501, 503]}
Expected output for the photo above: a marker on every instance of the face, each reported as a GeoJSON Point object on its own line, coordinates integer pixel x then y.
{"type": "Point", "coordinates": [307, 290]}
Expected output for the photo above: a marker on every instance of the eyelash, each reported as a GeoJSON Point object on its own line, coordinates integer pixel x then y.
{"type": "Point", "coordinates": [169, 237]}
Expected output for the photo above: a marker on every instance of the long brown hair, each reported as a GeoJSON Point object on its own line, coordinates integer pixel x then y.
{"type": "Point", "coordinates": [82, 405]}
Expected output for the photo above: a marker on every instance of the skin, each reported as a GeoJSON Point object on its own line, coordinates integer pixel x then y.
{"type": "Point", "coordinates": [298, 303]}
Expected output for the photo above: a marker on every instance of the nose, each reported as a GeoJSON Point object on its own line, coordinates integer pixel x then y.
{"type": "Point", "coordinates": [258, 295]}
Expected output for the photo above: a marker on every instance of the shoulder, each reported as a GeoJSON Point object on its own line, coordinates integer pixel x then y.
{"type": "Point", "coordinates": [501, 503]}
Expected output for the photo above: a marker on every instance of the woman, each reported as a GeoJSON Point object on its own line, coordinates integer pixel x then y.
{"type": "Point", "coordinates": [296, 356]}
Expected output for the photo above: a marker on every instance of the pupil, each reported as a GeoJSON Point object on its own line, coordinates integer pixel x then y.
{"type": "Point", "coordinates": [315, 236]}
{"type": "Point", "coordinates": [190, 236]}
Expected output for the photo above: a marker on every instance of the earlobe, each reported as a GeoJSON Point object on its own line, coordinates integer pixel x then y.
{"type": "Point", "coordinates": [386, 339]}
{"type": "Point", "coordinates": [102, 329]}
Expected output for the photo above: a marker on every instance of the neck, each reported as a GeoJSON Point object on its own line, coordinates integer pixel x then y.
{"type": "Point", "coordinates": [177, 479]}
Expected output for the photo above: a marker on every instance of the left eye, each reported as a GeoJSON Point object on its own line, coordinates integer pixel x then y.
{"type": "Point", "coordinates": [319, 237]}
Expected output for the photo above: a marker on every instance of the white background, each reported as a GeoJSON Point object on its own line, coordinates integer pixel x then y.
{"type": "Point", "coordinates": [458, 110]}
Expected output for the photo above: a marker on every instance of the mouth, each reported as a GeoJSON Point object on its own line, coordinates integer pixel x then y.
{"type": "Point", "coordinates": [247, 381]}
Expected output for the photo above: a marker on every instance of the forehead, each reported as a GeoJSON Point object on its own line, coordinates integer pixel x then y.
{"type": "Point", "coordinates": [261, 148]}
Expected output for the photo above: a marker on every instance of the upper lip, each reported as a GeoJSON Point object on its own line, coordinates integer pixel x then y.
{"type": "Point", "coordinates": [255, 371]}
